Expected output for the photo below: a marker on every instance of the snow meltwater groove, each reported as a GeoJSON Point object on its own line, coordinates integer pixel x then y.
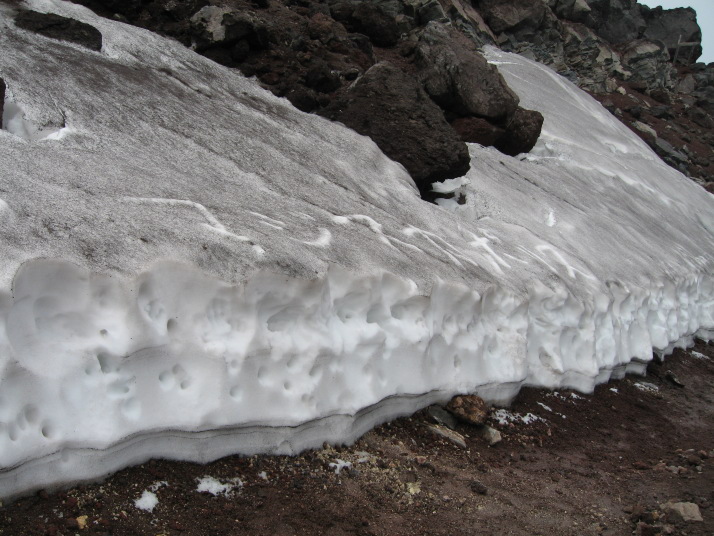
{"type": "Point", "coordinates": [193, 271]}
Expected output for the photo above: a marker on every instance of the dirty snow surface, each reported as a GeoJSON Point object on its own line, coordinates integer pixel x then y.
{"type": "Point", "coordinates": [193, 268]}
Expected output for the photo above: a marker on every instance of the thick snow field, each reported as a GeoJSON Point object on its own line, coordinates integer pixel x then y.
{"type": "Point", "coordinates": [193, 268]}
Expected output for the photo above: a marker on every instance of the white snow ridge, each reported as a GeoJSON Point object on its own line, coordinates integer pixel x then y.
{"type": "Point", "coordinates": [193, 271]}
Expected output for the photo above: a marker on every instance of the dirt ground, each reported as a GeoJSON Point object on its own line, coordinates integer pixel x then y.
{"type": "Point", "coordinates": [600, 464]}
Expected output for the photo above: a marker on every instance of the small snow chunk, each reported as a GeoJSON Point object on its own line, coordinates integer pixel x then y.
{"type": "Point", "coordinates": [263, 475]}
{"type": "Point", "coordinates": [647, 387]}
{"type": "Point", "coordinates": [215, 487]}
{"type": "Point", "coordinates": [147, 501]}
{"type": "Point", "coordinates": [550, 220]}
{"type": "Point", "coordinates": [547, 408]}
{"type": "Point", "coordinates": [576, 397]}
{"type": "Point", "coordinates": [698, 355]}
{"type": "Point", "coordinates": [613, 390]}
{"type": "Point", "coordinates": [338, 465]}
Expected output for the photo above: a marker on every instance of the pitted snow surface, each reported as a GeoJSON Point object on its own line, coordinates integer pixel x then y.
{"type": "Point", "coordinates": [195, 268]}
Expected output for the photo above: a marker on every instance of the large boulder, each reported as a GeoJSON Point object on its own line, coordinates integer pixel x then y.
{"type": "Point", "coordinates": [648, 62]}
{"type": "Point", "coordinates": [616, 21]}
{"type": "Point", "coordinates": [512, 15]}
{"type": "Point", "coordinates": [372, 21]}
{"type": "Point", "coordinates": [165, 16]}
{"type": "Point", "coordinates": [522, 132]}
{"type": "Point", "coordinates": [465, 17]}
{"type": "Point", "coordinates": [391, 107]}
{"type": "Point", "coordinates": [705, 98]}
{"type": "Point", "coordinates": [214, 26]}
{"type": "Point", "coordinates": [673, 25]}
{"type": "Point", "coordinates": [458, 78]}
{"type": "Point", "coordinates": [62, 28]}
{"type": "Point", "coordinates": [574, 10]}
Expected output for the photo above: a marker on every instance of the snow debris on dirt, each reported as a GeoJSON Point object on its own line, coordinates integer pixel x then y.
{"type": "Point", "coordinates": [504, 417]}
{"type": "Point", "coordinates": [646, 387]}
{"type": "Point", "coordinates": [338, 465]}
{"type": "Point", "coordinates": [547, 408]}
{"type": "Point", "coordinates": [147, 501]}
{"type": "Point", "coordinates": [209, 484]}
{"type": "Point", "coordinates": [614, 390]}
{"type": "Point", "coordinates": [698, 355]}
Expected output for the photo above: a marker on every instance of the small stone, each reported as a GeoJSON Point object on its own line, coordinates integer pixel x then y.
{"type": "Point", "coordinates": [693, 459]}
{"type": "Point", "coordinates": [689, 512]}
{"type": "Point", "coordinates": [478, 487]}
{"type": "Point", "coordinates": [491, 435]}
{"type": "Point", "coordinates": [441, 416]}
{"type": "Point", "coordinates": [471, 409]}
{"type": "Point", "coordinates": [82, 522]}
{"type": "Point", "coordinates": [645, 529]}
{"type": "Point", "coordinates": [450, 435]}
{"type": "Point", "coordinates": [646, 129]}
{"type": "Point", "coordinates": [672, 378]}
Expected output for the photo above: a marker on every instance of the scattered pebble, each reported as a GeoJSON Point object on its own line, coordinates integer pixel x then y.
{"type": "Point", "coordinates": [478, 487]}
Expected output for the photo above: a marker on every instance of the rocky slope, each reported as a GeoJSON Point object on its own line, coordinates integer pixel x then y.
{"type": "Point", "coordinates": [421, 75]}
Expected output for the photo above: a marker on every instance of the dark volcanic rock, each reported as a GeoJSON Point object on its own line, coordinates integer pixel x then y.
{"type": "Point", "coordinates": [670, 25]}
{"type": "Point", "coordinates": [371, 20]}
{"type": "Point", "coordinates": [512, 15]}
{"type": "Point", "coordinates": [616, 21]}
{"type": "Point", "coordinates": [522, 132]}
{"type": "Point", "coordinates": [63, 28]}
{"type": "Point", "coordinates": [648, 61]}
{"type": "Point", "coordinates": [574, 10]}
{"type": "Point", "coordinates": [221, 27]}
{"type": "Point", "coordinates": [459, 78]}
{"type": "Point", "coordinates": [477, 130]}
{"type": "Point", "coordinates": [2, 98]}
{"type": "Point", "coordinates": [165, 16]}
{"type": "Point", "coordinates": [390, 107]}
{"type": "Point", "coordinates": [321, 78]}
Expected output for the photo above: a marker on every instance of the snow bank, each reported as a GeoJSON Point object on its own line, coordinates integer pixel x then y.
{"type": "Point", "coordinates": [195, 268]}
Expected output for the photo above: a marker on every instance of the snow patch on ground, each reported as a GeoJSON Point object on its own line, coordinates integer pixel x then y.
{"type": "Point", "coordinates": [209, 484]}
{"type": "Point", "coordinates": [646, 387]}
{"type": "Point", "coordinates": [338, 465]}
{"type": "Point", "coordinates": [504, 417]}
{"type": "Point", "coordinates": [147, 502]}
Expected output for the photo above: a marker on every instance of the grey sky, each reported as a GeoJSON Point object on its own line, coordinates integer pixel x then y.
{"type": "Point", "coordinates": [705, 18]}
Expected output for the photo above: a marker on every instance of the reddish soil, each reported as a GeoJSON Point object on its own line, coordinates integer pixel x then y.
{"type": "Point", "coordinates": [598, 464]}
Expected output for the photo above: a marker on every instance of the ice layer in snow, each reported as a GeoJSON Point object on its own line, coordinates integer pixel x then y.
{"type": "Point", "coordinates": [195, 268]}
